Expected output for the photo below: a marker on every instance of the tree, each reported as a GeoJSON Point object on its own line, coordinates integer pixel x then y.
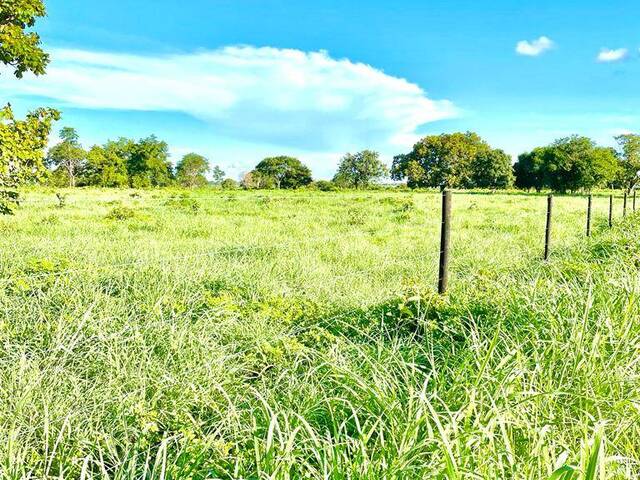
{"type": "Point", "coordinates": [22, 147]}
{"type": "Point", "coordinates": [492, 169]}
{"type": "Point", "coordinates": [105, 167]}
{"type": "Point", "coordinates": [68, 155]}
{"type": "Point", "coordinates": [529, 170]}
{"type": "Point", "coordinates": [568, 164]}
{"type": "Point", "coordinates": [286, 172]}
{"type": "Point", "coordinates": [255, 180]}
{"type": "Point", "coordinates": [148, 164]}
{"type": "Point", "coordinates": [444, 161]}
{"type": "Point", "coordinates": [217, 175]}
{"type": "Point", "coordinates": [574, 163]}
{"type": "Point", "coordinates": [22, 142]}
{"type": "Point", "coordinates": [191, 170]}
{"type": "Point", "coordinates": [606, 167]}
{"type": "Point", "coordinates": [360, 169]}
{"type": "Point", "coordinates": [18, 48]}
{"type": "Point", "coordinates": [629, 159]}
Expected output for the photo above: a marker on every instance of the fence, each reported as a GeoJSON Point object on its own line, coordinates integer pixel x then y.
{"type": "Point", "coordinates": [446, 230]}
{"type": "Point", "coordinates": [445, 239]}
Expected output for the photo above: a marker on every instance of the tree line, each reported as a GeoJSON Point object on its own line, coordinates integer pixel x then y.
{"type": "Point", "coordinates": [453, 160]}
{"type": "Point", "coordinates": [124, 163]}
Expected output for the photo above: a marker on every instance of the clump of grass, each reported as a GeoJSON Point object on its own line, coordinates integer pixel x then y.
{"type": "Point", "coordinates": [356, 217]}
{"type": "Point", "coordinates": [184, 203]}
{"type": "Point", "coordinates": [121, 213]}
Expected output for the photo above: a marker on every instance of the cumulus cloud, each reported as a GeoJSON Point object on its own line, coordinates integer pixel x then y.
{"type": "Point", "coordinates": [534, 48]}
{"type": "Point", "coordinates": [606, 55]}
{"type": "Point", "coordinates": [280, 96]}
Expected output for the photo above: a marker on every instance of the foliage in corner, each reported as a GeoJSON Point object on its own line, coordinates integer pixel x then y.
{"type": "Point", "coordinates": [22, 147]}
{"type": "Point", "coordinates": [19, 48]}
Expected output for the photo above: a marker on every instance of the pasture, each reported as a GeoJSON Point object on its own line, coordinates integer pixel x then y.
{"type": "Point", "coordinates": [236, 335]}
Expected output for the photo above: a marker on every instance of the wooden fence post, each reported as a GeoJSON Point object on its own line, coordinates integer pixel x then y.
{"type": "Point", "coordinates": [624, 205]}
{"type": "Point", "coordinates": [445, 235]}
{"type": "Point", "coordinates": [634, 200]}
{"type": "Point", "coordinates": [547, 236]}
{"type": "Point", "coordinates": [610, 211]}
{"type": "Point", "coordinates": [589, 204]}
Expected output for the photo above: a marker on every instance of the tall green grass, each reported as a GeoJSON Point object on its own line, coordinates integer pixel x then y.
{"type": "Point", "coordinates": [285, 336]}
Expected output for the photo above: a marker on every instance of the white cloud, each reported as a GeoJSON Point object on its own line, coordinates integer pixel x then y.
{"type": "Point", "coordinates": [534, 47]}
{"type": "Point", "coordinates": [616, 55]}
{"type": "Point", "coordinates": [288, 98]}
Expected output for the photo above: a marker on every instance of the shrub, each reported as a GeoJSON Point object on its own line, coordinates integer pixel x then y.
{"type": "Point", "coordinates": [121, 213]}
{"type": "Point", "coordinates": [184, 203]}
{"type": "Point", "coordinates": [229, 184]}
{"type": "Point", "coordinates": [325, 186]}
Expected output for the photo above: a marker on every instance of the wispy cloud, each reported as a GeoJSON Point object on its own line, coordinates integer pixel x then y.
{"type": "Point", "coordinates": [534, 48]}
{"type": "Point", "coordinates": [606, 55]}
{"type": "Point", "coordinates": [283, 97]}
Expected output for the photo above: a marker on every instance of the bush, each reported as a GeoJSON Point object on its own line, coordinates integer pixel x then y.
{"type": "Point", "coordinates": [229, 184]}
{"type": "Point", "coordinates": [184, 203]}
{"type": "Point", "coordinates": [324, 186]}
{"type": "Point", "coordinates": [121, 213]}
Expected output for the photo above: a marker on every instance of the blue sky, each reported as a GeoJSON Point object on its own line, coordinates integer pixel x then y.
{"type": "Point", "coordinates": [238, 80]}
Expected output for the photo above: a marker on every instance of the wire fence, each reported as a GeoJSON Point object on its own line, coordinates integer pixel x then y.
{"type": "Point", "coordinates": [444, 254]}
{"type": "Point", "coordinates": [221, 198]}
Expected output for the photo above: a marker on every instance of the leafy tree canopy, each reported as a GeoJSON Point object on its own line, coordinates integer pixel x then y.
{"type": "Point", "coordinates": [19, 48]}
{"type": "Point", "coordinates": [529, 170]}
{"type": "Point", "coordinates": [568, 164]}
{"type": "Point", "coordinates": [191, 170]}
{"type": "Point", "coordinates": [449, 161]}
{"type": "Point", "coordinates": [360, 169]}
{"type": "Point", "coordinates": [492, 169]}
{"type": "Point", "coordinates": [148, 164]}
{"type": "Point", "coordinates": [217, 175]}
{"type": "Point", "coordinates": [68, 155]}
{"type": "Point", "coordinates": [106, 167]}
{"type": "Point", "coordinates": [22, 147]}
{"type": "Point", "coordinates": [629, 159]}
{"type": "Point", "coordinates": [285, 172]}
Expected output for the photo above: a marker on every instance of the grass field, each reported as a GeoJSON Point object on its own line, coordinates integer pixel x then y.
{"type": "Point", "coordinates": [157, 334]}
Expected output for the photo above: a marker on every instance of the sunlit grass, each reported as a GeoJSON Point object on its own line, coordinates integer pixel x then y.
{"type": "Point", "coordinates": [298, 335]}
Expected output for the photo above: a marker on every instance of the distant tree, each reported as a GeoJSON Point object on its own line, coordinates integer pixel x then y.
{"type": "Point", "coordinates": [606, 168]}
{"type": "Point", "coordinates": [444, 161]}
{"type": "Point", "coordinates": [575, 163]}
{"type": "Point", "coordinates": [191, 170]}
{"type": "Point", "coordinates": [123, 148]}
{"type": "Point", "coordinates": [629, 171]}
{"type": "Point", "coordinates": [255, 180]}
{"type": "Point", "coordinates": [149, 165]}
{"type": "Point", "coordinates": [106, 167]}
{"type": "Point", "coordinates": [229, 184]}
{"type": "Point", "coordinates": [492, 169]}
{"type": "Point", "coordinates": [22, 147]}
{"type": "Point", "coordinates": [18, 48]}
{"type": "Point", "coordinates": [568, 164]}
{"type": "Point", "coordinates": [217, 175]}
{"type": "Point", "coordinates": [529, 170]}
{"type": "Point", "coordinates": [359, 170]}
{"type": "Point", "coordinates": [68, 155]}
{"type": "Point", "coordinates": [286, 172]}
